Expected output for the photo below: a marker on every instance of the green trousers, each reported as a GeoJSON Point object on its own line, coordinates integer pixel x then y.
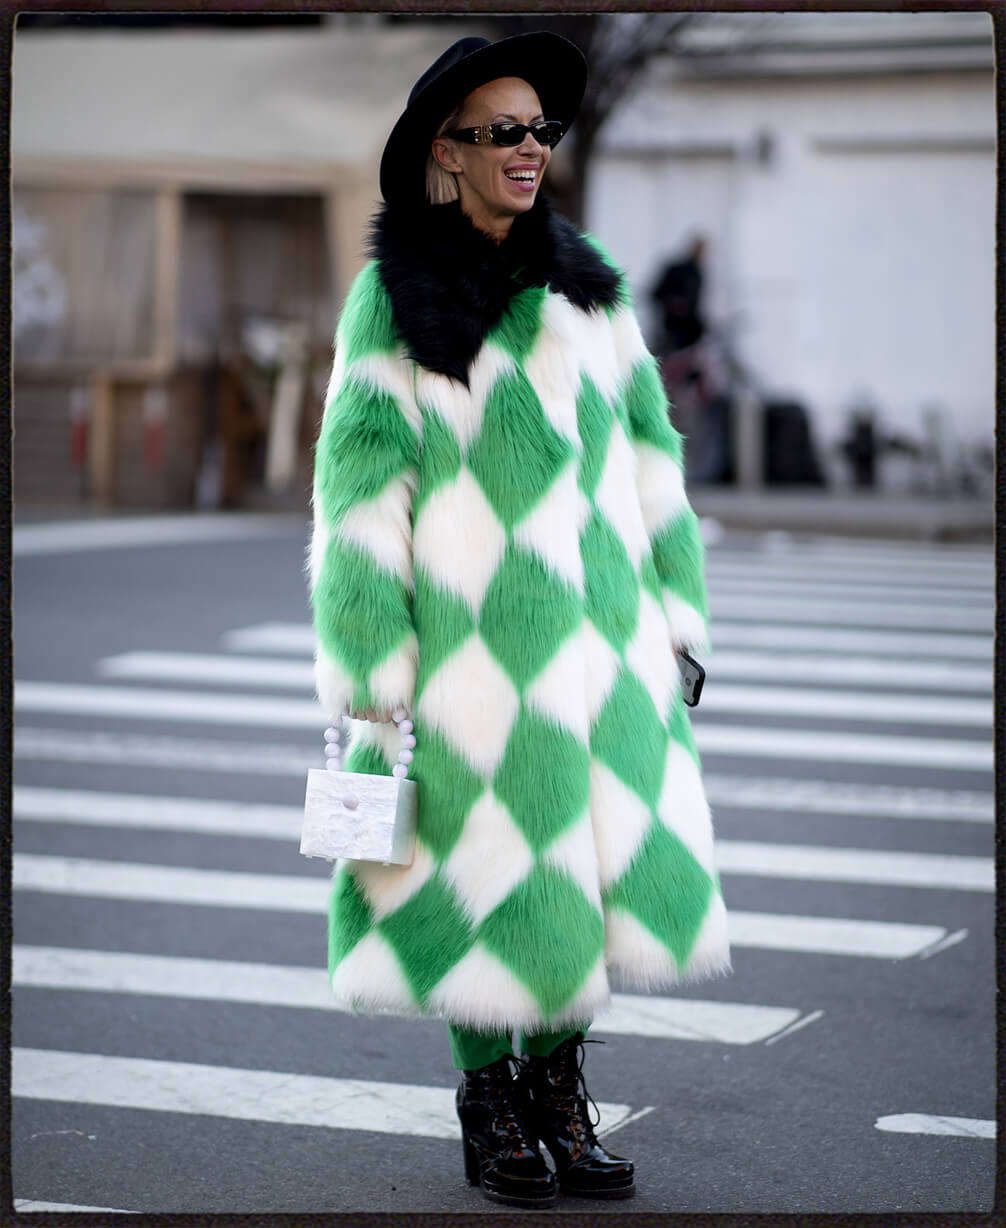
{"type": "Point", "coordinates": [471, 1049]}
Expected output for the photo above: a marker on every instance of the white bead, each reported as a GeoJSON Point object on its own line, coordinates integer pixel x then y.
{"type": "Point", "coordinates": [405, 755]}
{"type": "Point", "coordinates": [399, 714]}
{"type": "Point", "coordinates": [409, 740]}
{"type": "Point", "coordinates": [405, 726]}
{"type": "Point", "coordinates": [332, 734]}
{"type": "Point", "coordinates": [332, 750]}
{"type": "Point", "coordinates": [333, 765]}
{"type": "Point", "coordinates": [350, 801]}
{"type": "Point", "coordinates": [400, 771]}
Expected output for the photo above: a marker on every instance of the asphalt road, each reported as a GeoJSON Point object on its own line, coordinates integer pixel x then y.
{"type": "Point", "coordinates": [846, 1065]}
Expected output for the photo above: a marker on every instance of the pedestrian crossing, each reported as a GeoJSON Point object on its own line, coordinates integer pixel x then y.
{"type": "Point", "coordinates": [849, 684]}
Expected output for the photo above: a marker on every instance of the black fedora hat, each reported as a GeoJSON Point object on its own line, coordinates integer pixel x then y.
{"type": "Point", "coordinates": [552, 65]}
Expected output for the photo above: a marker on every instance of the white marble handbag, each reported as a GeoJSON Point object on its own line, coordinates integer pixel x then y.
{"type": "Point", "coordinates": [357, 815]}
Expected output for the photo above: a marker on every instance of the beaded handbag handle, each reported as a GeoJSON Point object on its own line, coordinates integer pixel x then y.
{"type": "Point", "coordinates": [336, 736]}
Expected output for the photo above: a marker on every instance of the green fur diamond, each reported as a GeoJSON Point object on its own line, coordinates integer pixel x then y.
{"type": "Point", "coordinates": [527, 613]}
{"type": "Point", "coordinates": [666, 889]}
{"type": "Point", "coordinates": [517, 454]}
{"type": "Point", "coordinates": [542, 800]}
{"type": "Point", "coordinates": [548, 934]}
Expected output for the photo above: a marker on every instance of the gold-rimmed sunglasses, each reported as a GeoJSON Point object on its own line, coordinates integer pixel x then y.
{"type": "Point", "coordinates": [545, 132]}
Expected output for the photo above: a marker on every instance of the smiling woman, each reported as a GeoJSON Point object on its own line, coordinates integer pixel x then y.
{"type": "Point", "coordinates": [503, 549]}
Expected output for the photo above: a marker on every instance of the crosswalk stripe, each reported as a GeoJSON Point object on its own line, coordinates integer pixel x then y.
{"type": "Point", "coordinates": [833, 747]}
{"type": "Point", "coordinates": [949, 556]}
{"type": "Point", "coordinates": [209, 667]}
{"type": "Point", "coordinates": [831, 935]}
{"type": "Point", "coordinates": [307, 988]}
{"type": "Point", "coordinates": [845, 865]}
{"type": "Point", "coordinates": [246, 1095]}
{"type": "Point", "coordinates": [161, 704]}
{"type": "Point", "coordinates": [972, 581]}
{"type": "Point", "coordinates": [855, 613]}
{"type": "Point", "coordinates": [299, 639]}
{"type": "Point", "coordinates": [307, 894]}
{"type": "Point", "coordinates": [221, 668]}
{"type": "Point", "coordinates": [147, 811]}
{"type": "Point", "coordinates": [725, 587]}
{"type": "Point", "coordinates": [867, 800]}
{"type": "Point", "coordinates": [929, 1123]}
{"type": "Point", "coordinates": [141, 750]}
{"type": "Point", "coordinates": [861, 705]}
{"type": "Point", "coordinates": [28, 1206]}
{"type": "Point", "coordinates": [876, 672]}
{"type": "Point", "coordinates": [266, 710]}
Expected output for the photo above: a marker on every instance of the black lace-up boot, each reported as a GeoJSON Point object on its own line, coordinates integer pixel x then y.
{"type": "Point", "coordinates": [559, 1098]}
{"type": "Point", "coordinates": [501, 1148]}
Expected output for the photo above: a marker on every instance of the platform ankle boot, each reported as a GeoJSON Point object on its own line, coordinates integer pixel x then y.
{"type": "Point", "coordinates": [501, 1148]}
{"type": "Point", "coordinates": [559, 1098]}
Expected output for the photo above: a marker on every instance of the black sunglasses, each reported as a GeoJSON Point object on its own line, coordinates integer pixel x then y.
{"type": "Point", "coordinates": [545, 132]}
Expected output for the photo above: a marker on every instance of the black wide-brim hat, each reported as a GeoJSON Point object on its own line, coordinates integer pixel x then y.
{"type": "Point", "coordinates": [552, 65]}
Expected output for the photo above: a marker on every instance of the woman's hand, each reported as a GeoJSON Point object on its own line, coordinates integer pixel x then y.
{"type": "Point", "coordinates": [378, 715]}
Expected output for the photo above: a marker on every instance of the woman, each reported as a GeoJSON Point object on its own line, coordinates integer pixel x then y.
{"type": "Point", "coordinates": [503, 548]}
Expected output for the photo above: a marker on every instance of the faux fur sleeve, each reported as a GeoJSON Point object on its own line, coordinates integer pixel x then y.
{"type": "Point", "coordinates": [671, 524]}
{"type": "Point", "coordinates": [360, 557]}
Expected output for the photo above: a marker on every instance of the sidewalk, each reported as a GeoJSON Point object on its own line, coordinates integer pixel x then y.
{"type": "Point", "coordinates": [847, 513]}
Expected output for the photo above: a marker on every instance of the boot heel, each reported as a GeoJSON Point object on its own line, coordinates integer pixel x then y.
{"type": "Point", "coordinates": [473, 1170]}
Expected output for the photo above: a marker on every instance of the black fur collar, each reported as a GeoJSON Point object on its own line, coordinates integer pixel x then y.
{"type": "Point", "coordinates": [450, 283]}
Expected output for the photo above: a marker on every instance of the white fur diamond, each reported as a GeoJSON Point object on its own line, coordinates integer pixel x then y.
{"type": "Point", "coordinates": [687, 626]}
{"type": "Point", "coordinates": [390, 374]}
{"type": "Point", "coordinates": [370, 976]}
{"type": "Point", "coordinates": [458, 540]}
{"type": "Point", "coordinates": [632, 950]}
{"type": "Point", "coordinates": [479, 991]}
{"type": "Point", "coordinates": [602, 666]}
{"type": "Point", "coordinates": [661, 486]}
{"type": "Point", "coordinates": [616, 496]}
{"type": "Point", "coordinates": [620, 820]}
{"type": "Point", "coordinates": [553, 366]}
{"type": "Point", "coordinates": [558, 693]}
{"type": "Point", "coordinates": [389, 887]}
{"type": "Point", "coordinates": [381, 527]}
{"type": "Point", "coordinates": [548, 531]}
{"type": "Point", "coordinates": [480, 880]}
{"type": "Point", "coordinates": [648, 654]}
{"type": "Point", "coordinates": [682, 806]}
{"type": "Point", "coordinates": [473, 703]}
{"type": "Point", "coordinates": [574, 853]}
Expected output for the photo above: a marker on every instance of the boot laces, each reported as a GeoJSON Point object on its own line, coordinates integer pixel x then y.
{"type": "Point", "coordinates": [578, 1084]}
{"type": "Point", "coordinates": [507, 1106]}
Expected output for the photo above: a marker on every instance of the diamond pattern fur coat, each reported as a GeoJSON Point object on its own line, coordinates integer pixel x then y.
{"type": "Point", "coordinates": [503, 546]}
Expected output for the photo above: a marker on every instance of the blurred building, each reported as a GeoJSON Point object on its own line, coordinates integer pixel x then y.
{"type": "Point", "coordinates": [841, 169]}
{"type": "Point", "coordinates": [190, 207]}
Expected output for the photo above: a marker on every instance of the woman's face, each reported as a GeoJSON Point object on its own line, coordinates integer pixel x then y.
{"type": "Point", "coordinates": [489, 193]}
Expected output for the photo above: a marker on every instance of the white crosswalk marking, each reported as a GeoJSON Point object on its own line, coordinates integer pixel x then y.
{"type": "Point", "coordinates": [122, 880]}
{"type": "Point", "coordinates": [248, 1095]}
{"type": "Point", "coordinates": [307, 988]}
{"type": "Point", "coordinates": [928, 1123]}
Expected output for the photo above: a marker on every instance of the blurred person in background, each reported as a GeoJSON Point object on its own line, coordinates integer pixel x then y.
{"type": "Point", "coordinates": [695, 373]}
{"type": "Point", "coordinates": [503, 549]}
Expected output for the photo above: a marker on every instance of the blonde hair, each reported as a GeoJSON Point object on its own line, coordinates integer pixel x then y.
{"type": "Point", "coordinates": [441, 186]}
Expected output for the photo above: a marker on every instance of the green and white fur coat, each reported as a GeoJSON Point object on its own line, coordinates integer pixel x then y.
{"type": "Point", "coordinates": [503, 546]}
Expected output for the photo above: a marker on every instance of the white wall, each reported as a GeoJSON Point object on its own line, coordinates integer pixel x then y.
{"type": "Point", "coordinates": [860, 257]}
